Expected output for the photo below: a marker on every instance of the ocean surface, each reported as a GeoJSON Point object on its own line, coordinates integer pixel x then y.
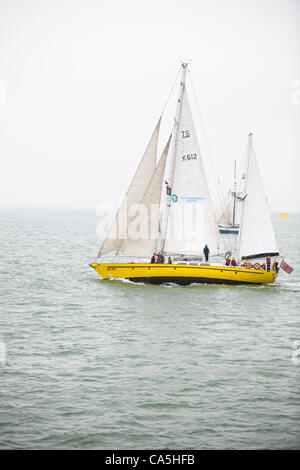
{"type": "Point", "coordinates": [92, 364]}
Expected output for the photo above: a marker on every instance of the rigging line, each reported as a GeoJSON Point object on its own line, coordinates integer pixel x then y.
{"type": "Point", "coordinates": [220, 194]}
{"type": "Point", "coordinates": [172, 89]}
{"type": "Point", "coordinates": [219, 187]}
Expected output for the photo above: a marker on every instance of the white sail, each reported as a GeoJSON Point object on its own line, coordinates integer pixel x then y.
{"type": "Point", "coordinates": [134, 195]}
{"type": "Point", "coordinates": [232, 208]}
{"type": "Point", "coordinates": [191, 222]}
{"type": "Point", "coordinates": [256, 237]}
{"type": "Point", "coordinates": [225, 210]}
{"type": "Point", "coordinates": [238, 209]}
{"type": "Point", "coordinates": [143, 230]}
{"type": "Point", "coordinates": [231, 213]}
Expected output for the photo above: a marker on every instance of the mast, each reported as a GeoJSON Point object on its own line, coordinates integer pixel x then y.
{"type": "Point", "coordinates": [245, 190]}
{"type": "Point", "coordinates": [234, 194]}
{"type": "Point", "coordinates": [173, 151]}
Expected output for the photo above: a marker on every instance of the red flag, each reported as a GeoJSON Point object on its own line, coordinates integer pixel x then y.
{"type": "Point", "coordinates": [287, 268]}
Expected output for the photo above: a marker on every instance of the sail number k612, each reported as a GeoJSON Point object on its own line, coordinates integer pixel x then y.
{"type": "Point", "coordinates": [189, 156]}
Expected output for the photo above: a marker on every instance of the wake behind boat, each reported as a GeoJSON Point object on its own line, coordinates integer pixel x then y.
{"type": "Point", "coordinates": [168, 210]}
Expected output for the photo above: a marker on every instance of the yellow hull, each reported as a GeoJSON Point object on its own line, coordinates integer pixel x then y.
{"type": "Point", "coordinates": [183, 274]}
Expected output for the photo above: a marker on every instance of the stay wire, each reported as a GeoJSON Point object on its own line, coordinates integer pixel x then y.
{"type": "Point", "coordinates": [219, 186]}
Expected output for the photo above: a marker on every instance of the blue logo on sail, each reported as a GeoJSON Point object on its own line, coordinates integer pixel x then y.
{"type": "Point", "coordinates": [192, 198]}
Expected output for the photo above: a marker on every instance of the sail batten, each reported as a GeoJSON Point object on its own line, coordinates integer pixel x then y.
{"type": "Point", "coordinates": [134, 195]}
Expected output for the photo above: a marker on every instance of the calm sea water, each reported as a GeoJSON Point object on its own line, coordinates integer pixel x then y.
{"type": "Point", "coordinates": [116, 365]}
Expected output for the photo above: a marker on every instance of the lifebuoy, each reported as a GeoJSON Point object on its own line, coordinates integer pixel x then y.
{"type": "Point", "coordinates": [256, 266]}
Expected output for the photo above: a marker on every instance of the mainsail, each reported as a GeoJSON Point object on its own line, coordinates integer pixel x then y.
{"type": "Point", "coordinates": [143, 230]}
{"type": "Point", "coordinates": [191, 221]}
{"type": "Point", "coordinates": [134, 195]}
{"type": "Point", "coordinates": [256, 237]}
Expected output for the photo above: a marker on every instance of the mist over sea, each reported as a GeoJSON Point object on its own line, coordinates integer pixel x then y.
{"type": "Point", "coordinates": [92, 364]}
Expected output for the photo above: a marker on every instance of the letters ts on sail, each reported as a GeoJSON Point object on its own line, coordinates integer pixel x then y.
{"type": "Point", "coordinates": [286, 267]}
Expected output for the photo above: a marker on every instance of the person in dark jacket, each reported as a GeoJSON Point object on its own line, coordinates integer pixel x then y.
{"type": "Point", "coordinates": [160, 258]}
{"type": "Point", "coordinates": [153, 258]}
{"type": "Point", "coordinates": [206, 252]}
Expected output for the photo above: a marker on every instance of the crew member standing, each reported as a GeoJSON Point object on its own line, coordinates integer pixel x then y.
{"type": "Point", "coordinates": [268, 262]}
{"type": "Point", "coordinates": [206, 252]}
{"type": "Point", "coordinates": [160, 258]}
{"type": "Point", "coordinates": [153, 258]}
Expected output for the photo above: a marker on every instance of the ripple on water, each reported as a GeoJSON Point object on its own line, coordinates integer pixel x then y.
{"type": "Point", "coordinates": [117, 364]}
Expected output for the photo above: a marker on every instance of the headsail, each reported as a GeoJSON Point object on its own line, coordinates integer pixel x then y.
{"type": "Point", "coordinates": [134, 195]}
{"type": "Point", "coordinates": [191, 221]}
{"type": "Point", "coordinates": [143, 230]}
{"type": "Point", "coordinates": [256, 237]}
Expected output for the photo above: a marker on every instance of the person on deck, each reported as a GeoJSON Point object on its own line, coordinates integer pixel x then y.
{"type": "Point", "coordinates": [160, 258]}
{"type": "Point", "coordinates": [227, 261]}
{"type": "Point", "coordinates": [268, 262]}
{"type": "Point", "coordinates": [206, 252]}
{"type": "Point", "coordinates": [233, 262]}
{"type": "Point", "coordinates": [153, 258]}
{"type": "Point", "coordinates": [169, 260]}
{"type": "Point", "coordinates": [275, 267]}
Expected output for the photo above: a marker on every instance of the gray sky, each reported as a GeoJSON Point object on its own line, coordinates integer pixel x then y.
{"type": "Point", "coordinates": [82, 84]}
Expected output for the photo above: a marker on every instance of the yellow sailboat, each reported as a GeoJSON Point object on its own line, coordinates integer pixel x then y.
{"type": "Point", "coordinates": [183, 274]}
{"type": "Point", "coordinates": [168, 210]}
